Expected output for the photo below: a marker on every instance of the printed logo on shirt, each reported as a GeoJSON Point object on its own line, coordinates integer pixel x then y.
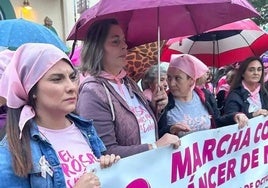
{"type": "Point", "coordinates": [74, 165]}
{"type": "Point", "coordinates": [196, 123]}
{"type": "Point", "coordinates": [144, 119]}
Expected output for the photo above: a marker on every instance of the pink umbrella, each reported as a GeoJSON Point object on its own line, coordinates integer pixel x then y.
{"type": "Point", "coordinates": [221, 46]}
{"type": "Point", "coordinates": [140, 19]}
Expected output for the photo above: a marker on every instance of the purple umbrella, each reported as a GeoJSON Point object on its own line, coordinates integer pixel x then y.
{"type": "Point", "coordinates": [140, 19]}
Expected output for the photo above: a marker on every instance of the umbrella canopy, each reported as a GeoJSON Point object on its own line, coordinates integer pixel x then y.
{"type": "Point", "coordinates": [15, 32]}
{"type": "Point", "coordinates": [141, 58]}
{"type": "Point", "coordinates": [140, 19]}
{"type": "Point", "coordinates": [221, 46]}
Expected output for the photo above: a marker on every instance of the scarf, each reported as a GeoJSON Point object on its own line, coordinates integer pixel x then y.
{"type": "Point", "coordinates": [253, 94]}
{"type": "Point", "coordinates": [116, 78]}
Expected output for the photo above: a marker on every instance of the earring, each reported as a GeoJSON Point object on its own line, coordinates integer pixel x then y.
{"type": "Point", "coordinates": [34, 96]}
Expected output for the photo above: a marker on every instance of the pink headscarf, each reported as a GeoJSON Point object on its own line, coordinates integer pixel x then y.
{"type": "Point", "coordinates": [189, 64]}
{"type": "Point", "coordinates": [28, 65]}
{"type": "Point", "coordinates": [5, 58]}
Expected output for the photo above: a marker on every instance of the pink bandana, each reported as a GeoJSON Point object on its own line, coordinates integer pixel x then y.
{"type": "Point", "coordinates": [189, 64]}
{"type": "Point", "coordinates": [254, 94]}
{"type": "Point", "coordinates": [116, 78]}
{"type": "Point", "coordinates": [27, 66]}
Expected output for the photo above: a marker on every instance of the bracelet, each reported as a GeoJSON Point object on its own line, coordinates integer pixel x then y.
{"type": "Point", "coordinates": [154, 146]}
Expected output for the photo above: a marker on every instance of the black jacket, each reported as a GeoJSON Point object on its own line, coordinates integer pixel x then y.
{"type": "Point", "coordinates": [237, 101]}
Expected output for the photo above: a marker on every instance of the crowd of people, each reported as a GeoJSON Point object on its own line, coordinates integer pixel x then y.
{"type": "Point", "coordinates": [107, 116]}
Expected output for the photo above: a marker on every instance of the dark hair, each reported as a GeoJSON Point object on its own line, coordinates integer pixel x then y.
{"type": "Point", "coordinates": [242, 69]}
{"type": "Point", "coordinates": [20, 148]}
{"type": "Point", "coordinates": [93, 47]}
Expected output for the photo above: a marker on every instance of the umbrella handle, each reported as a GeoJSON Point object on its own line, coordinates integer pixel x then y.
{"type": "Point", "coordinates": [73, 48]}
{"type": "Point", "coordinates": [75, 39]}
{"type": "Point", "coordinates": [158, 55]}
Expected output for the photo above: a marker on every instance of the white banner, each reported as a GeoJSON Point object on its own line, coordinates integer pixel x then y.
{"type": "Point", "coordinates": [227, 157]}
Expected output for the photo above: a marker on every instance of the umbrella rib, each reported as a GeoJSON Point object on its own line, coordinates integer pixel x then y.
{"type": "Point", "coordinates": [218, 54]}
{"type": "Point", "coordinates": [186, 7]}
{"type": "Point", "coordinates": [189, 51]}
{"type": "Point", "coordinates": [247, 43]}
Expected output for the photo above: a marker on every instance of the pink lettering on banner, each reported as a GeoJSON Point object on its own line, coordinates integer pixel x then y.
{"type": "Point", "coordinates": [226, 171]}
{"type": "Point", "coordinates": [258, 183]}
{"type": "Point", "coordinates": [187, 163]}
{"type": "Point", "coordinates": [216, 176]}
{"type": "Point", "coordinates": [196, 157]}
{"type": "Point", "coordinates": [209, 146]}
{"type": "Point", "coordinates": [249, 160]}
{"type": "Point", "coordinates": [139, 183]}
{"type": "Point", "coordinates": [236, 139]}
{"type": "Point", "coordinates": [221, 152]}
{"type": "Point", "coordinates": [261, 132]}
{"type": "Point", "coordinates": [265, 154]}
{"type": "Point", "coordinates": [182, 166]}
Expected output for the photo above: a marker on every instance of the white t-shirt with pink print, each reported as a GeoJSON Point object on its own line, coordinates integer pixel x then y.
{"type": "Point", "coordinates": [145, 120]}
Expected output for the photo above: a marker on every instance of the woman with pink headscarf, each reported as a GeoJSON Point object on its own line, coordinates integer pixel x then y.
{"type": "Point", "coordinates": [190, 108]}
{"type": "Point", "coordinates": [45, 144]}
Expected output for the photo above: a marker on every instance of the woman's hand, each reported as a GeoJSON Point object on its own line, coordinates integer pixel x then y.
{"type": "Point", "coordinates": [175, 129]}
{"type": "Point", "coordinates": [159, 99]}
{"type": "Point", "coordinates": [169, 139]}
{"type": "Point", "coordinates": [108, 160]}
{"type": "Point", "coordinates": [241, 119]}
{"type": "Point", "coordinates": [260, 112]}
{"type": "Point", "coordinates": [88, 180]}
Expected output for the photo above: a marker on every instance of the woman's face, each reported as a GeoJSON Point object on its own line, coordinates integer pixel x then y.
{"type": "Point", "coordinates": [57, 90]}
{"type": "Point", "coordinates": [115, 50]}
{"type": "Point", "coordinates": [180, 85]}
{"type": "Point", "coordinates": [253, 72]}
{"type": "Point", "coordinates": [163, 82]}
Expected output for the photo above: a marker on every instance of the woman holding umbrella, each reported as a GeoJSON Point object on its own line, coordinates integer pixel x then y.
{"type": "Point", "coordinates": [122, 116]}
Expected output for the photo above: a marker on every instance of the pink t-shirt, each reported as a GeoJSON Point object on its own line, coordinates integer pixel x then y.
{"type": "Point", "coordinates": [73, 152]}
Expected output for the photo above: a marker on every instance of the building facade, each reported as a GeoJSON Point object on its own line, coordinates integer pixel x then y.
{"type": "Point", "coordinates": [63, 13]}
